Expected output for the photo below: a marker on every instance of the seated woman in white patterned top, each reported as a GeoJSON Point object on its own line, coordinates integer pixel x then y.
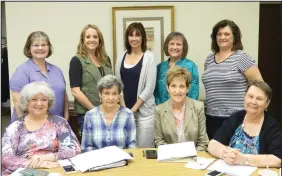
{"type": "Point", "coordinates": [38, 139]}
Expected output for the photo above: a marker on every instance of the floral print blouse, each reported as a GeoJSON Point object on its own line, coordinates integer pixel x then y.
{"type": "Point", "coordinates": [54, 136]}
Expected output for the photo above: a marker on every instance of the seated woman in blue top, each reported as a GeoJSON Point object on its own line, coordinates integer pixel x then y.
{"type": "Point", "coordinates": [110, 123]}
{"type": "Point", "coordinates": [251, 136]}
{"type": "Point", "coordinates": [176, 47]}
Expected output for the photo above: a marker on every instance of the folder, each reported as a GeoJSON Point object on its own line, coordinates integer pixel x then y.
{"type": "Point", "coordinates": [107, 157]}
{"type": "Point", "coordinates": [178, 152]}
{"type": "Point", "coordinates": [109, 166]}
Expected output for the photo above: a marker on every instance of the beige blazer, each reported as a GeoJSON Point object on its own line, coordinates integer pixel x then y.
{"type": "Point", "coordinates": [194, 124]}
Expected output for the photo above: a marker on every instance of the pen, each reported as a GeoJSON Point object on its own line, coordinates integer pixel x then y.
{"type": "Point", "coordinates": [72, 164]}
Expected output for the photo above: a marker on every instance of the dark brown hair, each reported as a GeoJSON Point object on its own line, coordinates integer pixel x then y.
{"type": "Point", "coordinates": [237, 43]}
{"type": "Point", "coordinates": [173, 35]}
{"type": "Point", "coordinates": [140, 30]}
{"type": "Point", "coordinates": [262, 86]}
{"type": "Point", "coordinates": [178, 72]}
{"type": "Point", "coordinates": [34, 36]}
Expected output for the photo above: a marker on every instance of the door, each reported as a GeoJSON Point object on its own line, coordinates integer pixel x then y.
{"type": "Point", "coordinates": [270, 53]}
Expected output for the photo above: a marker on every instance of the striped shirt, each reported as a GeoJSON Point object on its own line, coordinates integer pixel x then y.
{"type": "Point", "coordinates": [225, 83]}
{"type": "Point", "coordinates": [97, 134]}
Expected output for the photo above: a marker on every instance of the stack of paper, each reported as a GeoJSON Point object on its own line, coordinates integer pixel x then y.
{"type": "Point", "coordinates": [235, 170]}
{"type": "Point", "coordinates": [179, 152]}
{"type": "Point", "coordinates": [200, 164]}
{"type": "Point", "coordinates": [100, 159]}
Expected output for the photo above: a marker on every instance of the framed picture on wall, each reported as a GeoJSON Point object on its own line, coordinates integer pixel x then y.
{"type": "Point", "coordinates": [158, 22]}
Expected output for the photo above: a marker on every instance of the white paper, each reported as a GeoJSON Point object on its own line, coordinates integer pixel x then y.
{"type": "Point", "coordinates": [64, 162]}
{"type": "Point", "coordinates": [235, 170]}
{"type": "Point", "coordinates": [100, 157]}
{"type": "Point", "coordinates": [176, 151]}
{"type": "Point", "coordinates": [200, 164]}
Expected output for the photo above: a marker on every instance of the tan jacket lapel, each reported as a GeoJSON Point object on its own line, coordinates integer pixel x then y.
{"type": "Point", "coordinates": [188, 113]}
{"type": "Point", "coordinates": [169, 117]}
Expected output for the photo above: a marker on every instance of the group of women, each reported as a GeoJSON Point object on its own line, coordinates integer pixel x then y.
{"type": "Point", "coordinates": [144, 104]}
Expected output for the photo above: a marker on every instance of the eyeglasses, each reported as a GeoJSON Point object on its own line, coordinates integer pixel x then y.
{"type": "Point", "coordinates": [35, 100]}
{"type": "Point", "coordinates": [37, 45]}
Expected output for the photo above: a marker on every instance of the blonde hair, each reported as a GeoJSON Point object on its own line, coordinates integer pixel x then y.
{"type": "Point", "coordinates": [178, 72]}
{"type": "Point", "coordinates": [100, 51]}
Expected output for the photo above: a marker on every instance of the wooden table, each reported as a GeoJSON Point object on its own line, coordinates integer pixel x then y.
{"type": "Point", "coordinates": [141, 166]}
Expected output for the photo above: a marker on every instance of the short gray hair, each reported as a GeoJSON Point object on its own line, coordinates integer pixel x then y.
{"type": "Point", "coordinates": [108, 82]}
{"type": "Point", "coordinates": [32, 89]}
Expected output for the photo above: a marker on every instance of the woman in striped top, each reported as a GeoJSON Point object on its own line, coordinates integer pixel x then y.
{"type": "Point", "coordinates": [227, 72]}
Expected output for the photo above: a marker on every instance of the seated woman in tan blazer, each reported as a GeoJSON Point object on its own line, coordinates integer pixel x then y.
{"type": "Point", "coordinates": [180, 118]}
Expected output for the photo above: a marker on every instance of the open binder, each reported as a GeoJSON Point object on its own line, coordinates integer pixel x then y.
{"type": "Point", "coordinates": [105, 158]}
{"type": "Point", "coordinates": [178, 152]}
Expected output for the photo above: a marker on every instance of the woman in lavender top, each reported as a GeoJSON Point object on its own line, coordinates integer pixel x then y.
{"type": "Point", "coordinates": [37, 48]}
{"type": "Point", "coordinates": [38, 139]}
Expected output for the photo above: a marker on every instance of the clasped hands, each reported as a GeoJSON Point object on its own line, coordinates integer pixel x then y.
{"type": "Point", "coordinates": [42, 161]}
{"type": "Point", "coordinates": [233, 156]}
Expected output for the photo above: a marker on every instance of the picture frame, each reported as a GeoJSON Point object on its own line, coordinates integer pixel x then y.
{"type": "Point", "coordinates": [158, 22]}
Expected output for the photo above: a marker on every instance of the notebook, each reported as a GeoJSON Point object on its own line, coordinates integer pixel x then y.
{"type": "Point", "coordinates": [109, 166]}
{"type": "Point", "coordinates": [178, 152]}
{"type": "Point", "coordinates": [106, 157]}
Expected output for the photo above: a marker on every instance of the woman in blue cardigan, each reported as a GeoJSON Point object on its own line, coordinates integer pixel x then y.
{"type": "Point", "coordinates": [250, 136]}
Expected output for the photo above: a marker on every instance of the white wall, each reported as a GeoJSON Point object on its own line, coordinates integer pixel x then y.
{"type": "Point", "coordinates": [63, 22]}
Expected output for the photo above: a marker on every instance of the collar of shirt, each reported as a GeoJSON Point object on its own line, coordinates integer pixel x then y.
{"type": "Point", "coordinates": [179, 115]}
{"type": "Point", "coordinates": [36, 68]}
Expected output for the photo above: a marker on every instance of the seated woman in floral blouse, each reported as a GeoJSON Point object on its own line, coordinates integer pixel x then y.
{"type": "Point", "coordinates": [38, 139]}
